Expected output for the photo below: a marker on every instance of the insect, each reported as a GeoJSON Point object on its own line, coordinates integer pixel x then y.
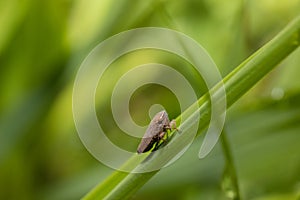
{"type": "Point", "coordinates": [156, 131]}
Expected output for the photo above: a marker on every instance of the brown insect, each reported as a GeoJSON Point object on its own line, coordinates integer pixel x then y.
{"type": "Point", "coordinates": [156, 131]}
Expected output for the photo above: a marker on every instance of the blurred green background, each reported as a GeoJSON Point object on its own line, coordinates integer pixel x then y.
{"type": "Point", "coordinates": [43, 43]}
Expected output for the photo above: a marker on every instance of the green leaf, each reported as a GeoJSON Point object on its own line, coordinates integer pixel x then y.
{"type": "Point", "coordinates": [121, 185]}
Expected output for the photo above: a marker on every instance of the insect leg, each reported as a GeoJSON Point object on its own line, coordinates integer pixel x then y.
{"type": "Point", "coordinates": [156, 145]}
{"type": "Point", "coordinates": [171, 126]}
{"type": "Point", "coordinates": [160, 138]}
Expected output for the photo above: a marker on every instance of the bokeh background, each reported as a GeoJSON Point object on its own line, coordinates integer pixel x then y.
{"type": "Point", "coordinates": [43, 43]}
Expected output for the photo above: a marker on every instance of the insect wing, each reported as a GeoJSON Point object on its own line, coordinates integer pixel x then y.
{"type": "Point", "coordinates": [145, 144]}
{"type": "Point", "coordinates": [152, 130]}
{"type": "Point", "coordinates": [156, 126]}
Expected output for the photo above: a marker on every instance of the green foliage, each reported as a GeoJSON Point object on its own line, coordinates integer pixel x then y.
{"type": "Point", "coordinates": [42, 44]}
{"type": "Point", "coordinates": [236, 84]}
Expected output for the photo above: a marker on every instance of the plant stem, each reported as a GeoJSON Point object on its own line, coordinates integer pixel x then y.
{"type": "Point", "coordinates": [122, 185]}
{"type": "Point", "coordinates": [230, 181]}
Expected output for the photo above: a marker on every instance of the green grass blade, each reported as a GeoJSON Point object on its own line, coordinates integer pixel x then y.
{"type": "Point", "coordinates": [122, 185]}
